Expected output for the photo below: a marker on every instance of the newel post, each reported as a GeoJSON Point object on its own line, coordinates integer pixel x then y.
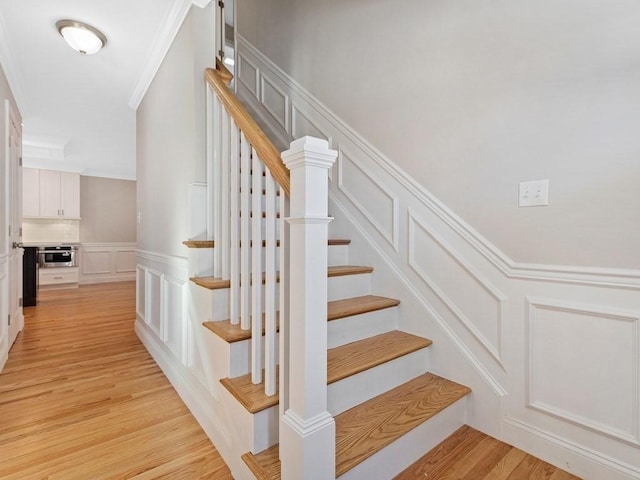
{"type": "Point", "coordinates": [307, 434]}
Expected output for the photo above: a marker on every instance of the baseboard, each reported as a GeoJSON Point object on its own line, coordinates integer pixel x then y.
{"type": "Point", "coordinates": [189, 389]}
{"type": "Point", "coordinates": [563, 453]}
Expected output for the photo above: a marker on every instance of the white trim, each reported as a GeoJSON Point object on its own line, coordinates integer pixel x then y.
{"type": "Point", "coordinates": [535, 303]}
{"type": "Point", "coordinates": [495, 386]}
{"type": "Point", "coordinates": [181, 382]}
{"type": "Point", "coordinates": [607, 277]}
{"type": "Point", "coordinates": [596, 459]}
{"type": "Point", "coordinates": [494, 350]}
{"type": "Point", "coordinates": [391, 236]}
{"type": "Point", "coordinates": [201, 3]}
{"type": "Point", "coordinates": [169, 27]}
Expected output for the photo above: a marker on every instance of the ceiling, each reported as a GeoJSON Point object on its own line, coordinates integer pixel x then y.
{"type": "Point", "coordinates": [79, 111]}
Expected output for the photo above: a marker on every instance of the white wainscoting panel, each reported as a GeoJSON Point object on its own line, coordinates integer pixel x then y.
{"type": "Point", "coordinates": [584, 365]}
{"type": "Point", "coordinates": [154, 299]}
{"type": "Point", "coordinates": [248, 75]}
{"type": "Point", "coordinates": [163, 305]}
{"type": "Point", "coordinates": [275, 101]}
{"type": "Point", "coordinates": [107, 262]}
{"type": "Point", "coordinates": [173, 313]}
{"type": "Point", "coordinates": [466, 293]}
{"type": "Point", "coordinates": [141, 293]}
{"type": "Point", "coordinates": [302, 126]}
{"type": "Point", "coordinates": [372, 198]}
{"type": "Point", "coordinates": [545, 373]}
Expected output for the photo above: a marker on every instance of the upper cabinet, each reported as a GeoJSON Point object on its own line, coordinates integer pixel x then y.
{"type": "Point", "coordinates": [50, 194]}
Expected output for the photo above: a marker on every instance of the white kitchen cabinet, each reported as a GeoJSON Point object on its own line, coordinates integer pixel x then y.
{"type": "Point", "coordinates": [57, 194]}
{"type": "Point", "coordinates": [30, 192]}
{"type": "Point", "coordinates": [59, 277]}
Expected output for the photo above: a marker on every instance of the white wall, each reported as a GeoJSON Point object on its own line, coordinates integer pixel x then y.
{"type": "Point", "coordinates": [171, 136]}
{"type": "Point", "coordinates": [550, 352]}
{"type": "Point", "coordinates": [470, 98]}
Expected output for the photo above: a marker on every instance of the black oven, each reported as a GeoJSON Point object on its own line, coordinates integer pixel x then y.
{"type": "Point", "coordinates": [57, 256]}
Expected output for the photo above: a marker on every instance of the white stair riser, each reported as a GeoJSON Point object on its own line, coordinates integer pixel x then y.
{"type": "Point", "coordinates": [240, 356]}
{"type": "Point", "coordinates": [349, 286]}
{"type": "Point", "coordinates": [346, 286]}
{"type": "Point", "coordinates": [338, 255]}
{"type": "Point", "coordinates": [358, 327]}
{"type": "Point", "coordinates": [352, 391]}
{"type": "Point", "coordinates": [257, 431]}
{"type": "Point", "coordinates": [201, 259]}
{"type": "Point", "coordinates": [394, 458]}
{"type": "Point", "coordinates": [200, 262]}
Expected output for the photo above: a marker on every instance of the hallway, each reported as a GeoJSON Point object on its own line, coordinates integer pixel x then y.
{"type": "Point", "coordinates": [80, 398]}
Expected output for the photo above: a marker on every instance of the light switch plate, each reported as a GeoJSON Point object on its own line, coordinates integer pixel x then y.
{"type": "Point", "coordinates": [534, 193]}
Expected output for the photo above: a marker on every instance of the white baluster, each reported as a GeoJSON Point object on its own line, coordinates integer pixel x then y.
{"type": "Point", "coordinates": [256, 270]}
{"type": "Point", "coordinates": [210, 164]}
{"type": "Point", "coordinates": [307, 439]}
{"type": "Point", "coordinates": [224, 203]}
{"type": "Point", "coordinates": [245, 230]}
{"type": "Point", "coordinates": [234, 213]}
{"type": "Point", "coordinates": [217, 187]}
{"type": "Point", "coordinates": [270, 299]}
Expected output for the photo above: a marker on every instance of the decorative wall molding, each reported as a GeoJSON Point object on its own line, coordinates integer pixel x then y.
{"type": "Point", "coordinates": [493, 348]}
{"type": "Point", "coordinates": [390, 231]}
{"type": "Point", "coordinates": [107, 262]}
{"type": "Point", "coordinates": [607, 277]}
{"type": "Point", "coordinates": [618, 469]}
{"type": "Point", "coordinates": [169, 27]}
{"type": "Point", "coordinates": [496, 387]}
{"type": "Point", "coordinates": [269, 93]}
{"type": "Point", "coordinates": [439, 264]}
{"type": "Point", "coordinates": [586, 339]}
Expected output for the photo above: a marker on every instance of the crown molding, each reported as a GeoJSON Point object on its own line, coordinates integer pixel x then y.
{"type": "Point", "coordinates": [162, 42]}
{"type": "Point", "coordinates": [9, 66]}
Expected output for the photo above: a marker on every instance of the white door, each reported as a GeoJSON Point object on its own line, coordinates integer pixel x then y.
{"type": "Point", "coordinates": [14, 190]}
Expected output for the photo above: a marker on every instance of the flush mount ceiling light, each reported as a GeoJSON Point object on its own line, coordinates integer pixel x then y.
{"type": "Point", "coordinates": [81, 37]}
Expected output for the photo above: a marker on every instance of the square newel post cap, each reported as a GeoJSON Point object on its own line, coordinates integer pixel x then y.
{"type": "Point", "coordinates": [309, 151]}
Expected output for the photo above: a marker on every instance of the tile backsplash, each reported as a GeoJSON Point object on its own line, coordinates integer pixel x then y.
{"type": "Point", "coordinates": [50, 230]}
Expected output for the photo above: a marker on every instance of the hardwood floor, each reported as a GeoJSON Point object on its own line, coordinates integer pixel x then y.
{"type": "Point", "coordinates": [471, 455]}
{"type": "Point", "coordinates": [81, 399]}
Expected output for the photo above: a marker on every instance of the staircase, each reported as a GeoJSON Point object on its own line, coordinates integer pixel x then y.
{"type": "Point", "coordinates": [387, 406]}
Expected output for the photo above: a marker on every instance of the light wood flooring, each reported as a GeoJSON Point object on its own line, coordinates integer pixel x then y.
{"type": "Point", "coordinates": [81, 399]}
{"type": "Point", "coordinates": [471, 455]}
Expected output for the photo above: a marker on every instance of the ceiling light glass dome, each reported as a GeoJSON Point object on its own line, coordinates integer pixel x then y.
{"type": "Point", "coordinates": [81, 37]}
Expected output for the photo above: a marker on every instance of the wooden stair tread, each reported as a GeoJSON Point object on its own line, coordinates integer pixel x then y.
{"type": "Point", "coordinates": [198, 243]}
{"type": "Point", "coordinates": [231, 333]}
{"type": "Point", "coordinates": [357, 305]}
{"type": "Point", "coordinates": [338, 241]}
{"type": "Point", "coordinates": [211, 283]}
{"type": "Point", "coordinates": [369, 427]}
{"type": "Point", "coordinates": [265, 465]}
{"type": "Point", "coordinates": [342, 362]}
{"type": "Point", "coordinates": [250, 395]}
{"type": "Point", "coordinates": [214, 283]}
{"type": "Point", "coordinates": [342, 270]}
{"type": "Point", "coordinates": [332, 242]}
{"type": "Point", "coordinates": [356, 357]}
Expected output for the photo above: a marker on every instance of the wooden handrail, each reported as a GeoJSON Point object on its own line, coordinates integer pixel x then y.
{"type": "Point", "coordinates": [267, 152]}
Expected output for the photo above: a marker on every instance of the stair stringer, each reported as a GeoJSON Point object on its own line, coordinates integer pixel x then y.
{"type": "Point", "coordinates": [450, 357]}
